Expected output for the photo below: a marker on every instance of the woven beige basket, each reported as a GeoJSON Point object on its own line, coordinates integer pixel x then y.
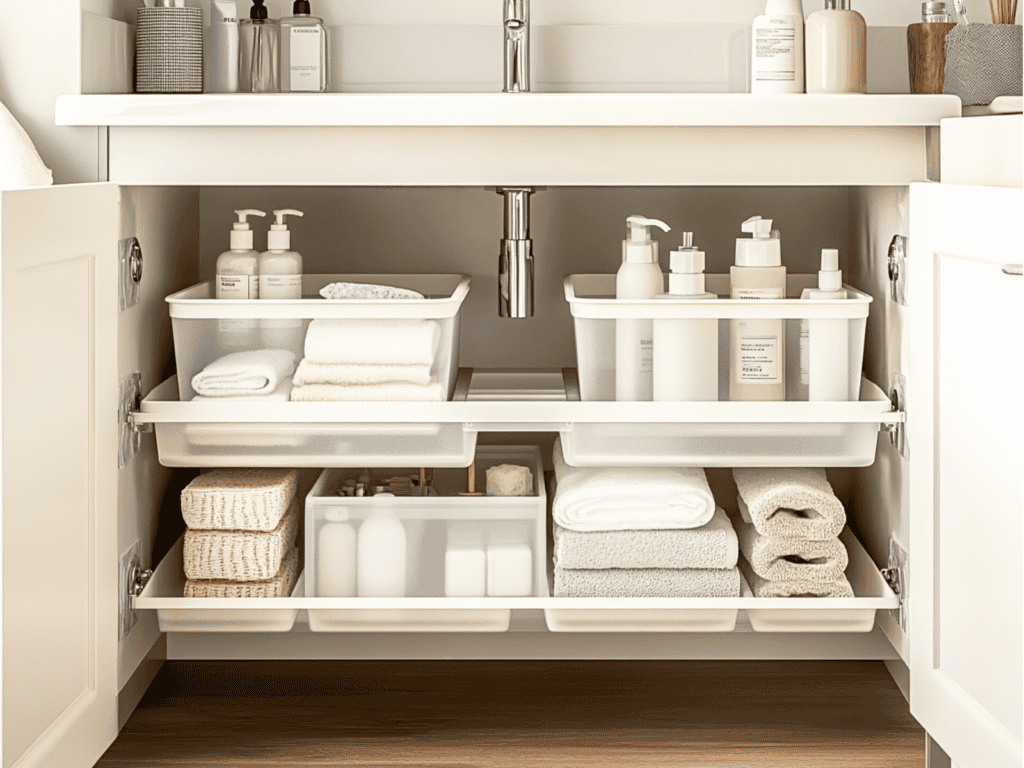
{"type": "Point", "coordinates": [280, 586]}
{"type": "Point", "coordinates": [239, 499]}
{"type": "Point", "coordinates": [241, 555]}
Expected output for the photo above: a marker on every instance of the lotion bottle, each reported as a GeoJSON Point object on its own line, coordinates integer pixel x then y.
{"type": "Point", "coordinates": [639, 278]}
{"type": "Point", "coordinates": [303, 66]}
{"type": "Point", "coordinates": [220, 63]}
{"type": "Point", "coordinates": [280, 267]}
{"type": "Point", "coordinates": [777, 55]}
{"type": "Point", "coordinates": [757, 349]}
{"type": "Point", "coordinates": [380, 557]}
{"type": "Point", "coordinates": [686, 350]}
{"type": "Point", "coordinates": [238, 268]}
{"type": "Point", "coordinates": [825, 342]}
{"type": "Point", "coordinates": [836, 50]}
{"type": "Point", "coordinates": [336, 556]}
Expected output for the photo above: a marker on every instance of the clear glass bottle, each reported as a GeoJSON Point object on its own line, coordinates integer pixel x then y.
{"type": "Point", "coordinates": [257, 65]}
{"type": "Point", "coordinates": [303, 65]}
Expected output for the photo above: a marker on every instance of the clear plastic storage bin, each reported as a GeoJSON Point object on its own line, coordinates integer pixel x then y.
{"type": "Point", "coordinates": [206, 329]}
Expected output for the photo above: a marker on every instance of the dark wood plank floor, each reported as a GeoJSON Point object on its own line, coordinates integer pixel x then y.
{"type": "Point", "coordinates": [508, 713]}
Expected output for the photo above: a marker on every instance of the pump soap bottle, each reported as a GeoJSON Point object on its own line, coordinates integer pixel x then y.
{"type": "Point", "coordinates": [825, 342]}
{"type": "Point", "coordinates": [777, 58]}
{"type": "Point", "coordinates": [686, 350]}
{"type": "Point", "coordinates": [280, 267]}
{"type": "Point", "coordinates": [836, 50]}
{"type": "Point", "coordinates": [257, 63]}
{"type": "Point", "coordinates": [639, 278]}
{"type": "Point", "coordinates": [303, 47]}
{"type": "Point", "coordinates": [238, 278]}
{"type": "Point", "coordinates": [757, 349]}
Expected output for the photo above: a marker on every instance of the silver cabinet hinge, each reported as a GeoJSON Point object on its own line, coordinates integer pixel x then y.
{"type": "Point", "coordinates": [133, 581]}
{"type": "Point", "coordinates": [895, 576]}
{"type": "Point", "coordinates": [129, 432]}
{"type": "Point", "coordinates": [898, 431]}
{"type": "Point", "coordinates": [130, 272]}
{"type": "Point", "coordinates": [898, 269]}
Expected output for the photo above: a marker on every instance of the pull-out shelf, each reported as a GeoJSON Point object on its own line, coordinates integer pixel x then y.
{"type": "Point", "coordinates": [494, 614]}
{"type": "Point", "coordinates": [444, 434]}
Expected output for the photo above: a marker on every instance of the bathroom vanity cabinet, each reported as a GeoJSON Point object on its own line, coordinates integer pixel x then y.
{"type": "Point", "coordinates": [403, 182]}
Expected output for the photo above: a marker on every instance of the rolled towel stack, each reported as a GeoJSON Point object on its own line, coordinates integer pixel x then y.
{"type": "Point", "coordinates": [639, 532]}
{"type": "Point", "coordinates": [790, 520]}
{"type": "Point", "coordinates": [258, 374]}
{"type": "Point", "coordinates": [369, 360]}
{"type": "Point", "coordinates": [243, 531]}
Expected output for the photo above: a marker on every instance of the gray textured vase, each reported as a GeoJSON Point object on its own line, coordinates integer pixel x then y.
{"type": "Point", "coordinates": [169, 50]}
{"type": "Point", "coordinates": [983, 62]}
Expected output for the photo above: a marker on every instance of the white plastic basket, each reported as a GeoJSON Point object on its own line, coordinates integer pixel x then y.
{"type": "Point", "coordinates": [595, 311]}
{"type": "Point", "coordinates": [205, 328]}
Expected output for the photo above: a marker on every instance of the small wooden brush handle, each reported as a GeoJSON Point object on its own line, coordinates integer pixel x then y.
{"type": "Point", "coordinates": [926, 47]}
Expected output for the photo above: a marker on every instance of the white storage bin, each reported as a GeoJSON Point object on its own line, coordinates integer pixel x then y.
{"type": "Point", "coordinates": [426, 520]}
{"type": "Point", "coordinates": [595, 311]}
{"type": "Point", "coordinates": [205, 328]}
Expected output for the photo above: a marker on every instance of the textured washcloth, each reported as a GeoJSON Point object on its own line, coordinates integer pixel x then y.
{"type": "Point", "coordinates": [367, 291]}
{"type": "Point", "coordinates": [509, 480]}
{"type": "Point", "coordinates": [255, 372]}
{"type": "Point", "coordinates": [391, 392]}
{"type": "Point", "coordinates": [790, 503]}
{"type": "Point", "coordinates": [239, 499]}
{"type": "Point", "coordinates": [792, 559]}
{"type": "Point", "coordinates": [283, 394]}
{"type": "Point", "coordinates": [630, 498]}
{"type": "Point", "coordinates": [280, 586]}
{"type": "Point", "coordinates": [647, 582]}
{"type": "Point", "coordinates": [712, 546]}
{"type": "Point", "coordinates": [375, 342]}
{"type": "Point", "coordinates": [351, 374]}
{"type": "Point", "coordinates": [795, 587]}
{"type": "Point", "coordinates": [240, 555]}
{"type": "Point", "coordinates": [20, 163]}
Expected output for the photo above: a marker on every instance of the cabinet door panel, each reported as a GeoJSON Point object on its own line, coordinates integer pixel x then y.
{"type": "Point", "coordinates": [965, 418]}
{"type": "Point", "coordinates": [59, 260]}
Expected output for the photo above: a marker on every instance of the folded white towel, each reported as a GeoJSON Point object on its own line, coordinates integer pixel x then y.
{"type": "Point", "coordinates": [349, 374]}
{"type": "Point", "coordinates": [789, 502]}
{"type": "Point", "coordinates": [630, 498]}
{"type": "Point", "coordinates": [20, 163]}
{"type": "Point", "coordinates": [283, 393]}
{"type": "Point", "coordinates": [372, 341]}
{"type": "Point", "coordinates": [254, 372]}
{"type": "Point", "coordinates": [391, 392]}
{"type": "Point", "coordinates": [648, 582]}
{"type": "Point", "coordinates": [367, 291]}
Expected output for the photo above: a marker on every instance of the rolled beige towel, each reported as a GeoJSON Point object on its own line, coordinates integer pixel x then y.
{"type": "Point", "coordinates": [241, 555]}
{"type": "Point", "coordinates": [778, 559]}
{"type": "Point", "coordinates": [794, 587]}
{"type": "Point", "coordinates": [789, 502]}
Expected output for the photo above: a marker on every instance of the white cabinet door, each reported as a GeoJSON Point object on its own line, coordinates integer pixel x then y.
{"type": "Point", "coordinates": [59, 457]}
{"type": "Point", "coordinates": [965, 424]}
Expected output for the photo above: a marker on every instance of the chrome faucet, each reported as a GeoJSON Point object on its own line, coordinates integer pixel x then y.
{"type": "Point", "coordinates": [517, 45]}
{"type": "Point", "coordinates": [515, 260]}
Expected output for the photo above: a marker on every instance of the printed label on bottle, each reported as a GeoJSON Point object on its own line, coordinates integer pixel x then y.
{"type": "Point", "coordinates": [757, 293]}
{"type": "Point", "coordinates": [280, 286]}
{"type": "Point", "coordinates": [238, 287]}
{"type": "Point", "coordinates": [805, 352]}
{"type": "Point", "coordinates": [304, 64]}
{"type": "Point", "coordinates": [759, 358]}
{"type": "Point", "coordinates": [775, 51]}
{"type": "Point", "coordinates": [647, 351]}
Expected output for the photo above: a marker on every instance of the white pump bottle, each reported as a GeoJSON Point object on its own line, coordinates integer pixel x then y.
{"type": "Point", "coordinates": [639, 278]}
{"type": "Point", "coordinates": [281, 267]}
{"type": "Point", "coordinates": [825, 342]}
{"type": "Point", "coordinates": [238, 268]}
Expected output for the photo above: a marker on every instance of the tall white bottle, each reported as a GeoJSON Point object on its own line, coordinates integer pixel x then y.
{"type": "Point", "coordinates": [380, 559]}
{"type": "Point", "coordinates": [639, 277]}
{"type": "Point", "coordinates": [281, 278]}
{"type": "Point", "coordinates": [220, 58]}
{"type": "Point", "coordinates": [825, 346]}
{"type": "Point", "coordinates": [336, 556]}
{"type": "Point", "coordinates": [686, 350]}
{"type": "Point", "coordinates": [238, 278]}
{"type": "Point", "coordinates": [777, 54]}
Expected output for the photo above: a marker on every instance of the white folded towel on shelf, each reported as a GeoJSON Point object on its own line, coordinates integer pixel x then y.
{"type": "Point", "coordinates": [367, 292]}
{"type": "Point", "coordinates": [630, 498]}
{"type": "Point", "coordinates": [390, 392]}
{"type": "Point", "coordinates": [20, 163]}
{"type": "Point", "coordinates": [789, 502]}
{"type": "Point", "coordinates": [349, 374]}
{"type": "Point", "coordinates": [283, 394]}
{"type": "Point", "coordinates": [372, 341]}
{"type": "Point", "coordinates": [254, 372]}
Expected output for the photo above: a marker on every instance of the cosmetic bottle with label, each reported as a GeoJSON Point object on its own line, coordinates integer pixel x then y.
{"type": "Point", "coordinates": [304, 64]}
{"type": "Point", "coordinates": [836, 50]}
{"type": "Point", "coordinates": [258, 43]}
{"type": "Point", "coordinates": [238, 278]}
{"type": "Point", "coordinates": [220, 63]}
{"type": "Point", "coordinates": [281, 278]}
{"type": "Point", "coordinates": [825, 342]}
{"type": "Point", "coordinates": [757, 349]}
{"type": "Point", "coordinates": [777, 57]}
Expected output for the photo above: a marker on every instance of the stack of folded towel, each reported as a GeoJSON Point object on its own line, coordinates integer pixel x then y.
{"type": "Point", "coordinates": [790, 521]}
{"type": "Point", "coordinates": [258, 374]}
{"type": "Point", "coordinates": [638, 532]}
{"type": "Point", "coordinates": [243, 530]}
{"type": "Point", "coordinates": [368, 360]}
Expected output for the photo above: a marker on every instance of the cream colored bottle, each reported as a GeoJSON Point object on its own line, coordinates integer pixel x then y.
{"type": "Point", "coordinates": [836, 50]}
{"type": "Point", "coordinates": [757, 349]}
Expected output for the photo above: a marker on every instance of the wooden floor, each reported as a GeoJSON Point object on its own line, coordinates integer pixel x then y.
{"type": "Point", "coordinates": [509, 713]}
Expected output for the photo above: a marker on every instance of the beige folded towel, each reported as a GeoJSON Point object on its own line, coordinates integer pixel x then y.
{"type": "Point", "coordinates": [241, 555]}
{"type": "Point", "coordinates": [792, 559]}
{"type": "Point", "coordinates": [647, 582]}
{"type": "Point", "coordinates": [239, 499]}
{"type": "Point", "coordinates": [389, 392]}
{"type": "Point", "coordinates": [350, 374]}
{"type": "Point", "coordinates": [794, 587]}
{"type": "Point", "coordinates": [280, 586]}
{"type": "Point", "coordinates": [789, 503]}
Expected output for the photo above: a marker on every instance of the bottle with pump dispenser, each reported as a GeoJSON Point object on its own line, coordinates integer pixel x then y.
{"type": "Point", "coordinates": [757, 349]}
{"type": "Point", "coordinates": [639, 278]}
{"type": "Point", "coordinates": [836, 50]}
{"type": "Point", "coordinates": [825, 342]}
{"type": "Point", "coordinates": [281, 278]}
{"type": "Point", "coordinates": [238, 278]}
{"type": "Point", "coordinates": [686, 350]}
{"type": "Point", "coordinates": [777, 58]}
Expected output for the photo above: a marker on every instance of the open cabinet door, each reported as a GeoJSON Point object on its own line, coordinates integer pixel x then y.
{"type": "Point", "coordinates": [59, 456]}
{"type": "Point", "coordinates": [965, 419]}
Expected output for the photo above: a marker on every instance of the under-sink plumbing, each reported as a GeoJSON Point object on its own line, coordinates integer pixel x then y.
{"type": "Point", "coordinates": [517, 45]}
{"type": "Point", "coordinates": [515, 261]}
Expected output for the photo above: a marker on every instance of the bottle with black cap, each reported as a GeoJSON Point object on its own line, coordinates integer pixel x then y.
{"type": "Point", "coordinates": [257, 65]}
{"type": "Point", "coordinates": [303, 63]}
